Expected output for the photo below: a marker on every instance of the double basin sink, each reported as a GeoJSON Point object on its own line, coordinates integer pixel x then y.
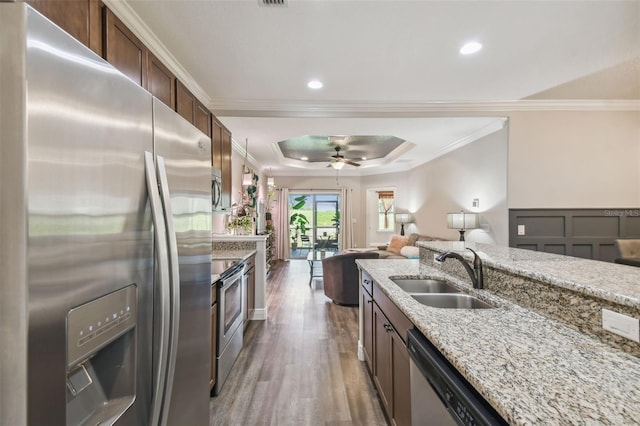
{"type": "Point", "coordinates": [439, 293]}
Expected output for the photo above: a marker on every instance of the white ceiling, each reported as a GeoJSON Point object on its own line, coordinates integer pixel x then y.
{"type": "Point", "coordinates": [388, 67]}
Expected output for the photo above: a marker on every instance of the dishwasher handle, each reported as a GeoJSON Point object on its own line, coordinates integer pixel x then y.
{"type": "Point", "coordinates": [464, 403]}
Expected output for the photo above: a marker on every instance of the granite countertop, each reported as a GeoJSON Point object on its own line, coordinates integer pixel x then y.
{"type": "Point", "coordinates": [232, 254]}
{"type": "Point", "coordinates": [603, 280]}
{"type": "Point", "coordinates": [531, 369]}
{"type": "Point", "coordinates": [239, 254]}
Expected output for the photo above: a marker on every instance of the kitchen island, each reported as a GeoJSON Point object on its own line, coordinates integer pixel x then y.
{"type": "Point", "coordinates": [532, 369]}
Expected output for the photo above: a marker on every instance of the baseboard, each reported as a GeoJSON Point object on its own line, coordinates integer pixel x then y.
{"type": "Point", "coordinates": [259, 314]}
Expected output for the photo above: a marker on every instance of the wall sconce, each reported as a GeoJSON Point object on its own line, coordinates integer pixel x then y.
{"type": "Point", "coordinates": [403, 218]}
{"type": "Point", "coordinates": [462, 221]}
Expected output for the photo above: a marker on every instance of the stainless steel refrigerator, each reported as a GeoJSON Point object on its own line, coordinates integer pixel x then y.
{"type": "Point", "coordinates": [105, 241]}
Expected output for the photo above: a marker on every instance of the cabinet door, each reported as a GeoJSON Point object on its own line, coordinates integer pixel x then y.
{"type": "Point", "coordinates": [162, 82]}
{"type": "Point", "coordinates": [367, 326]}
{"type": "Point", "coordinates": [70, 15]}
{"type": "Point", "coordinates": [214, 344]}
{"type": "Point", "coordinates": [124, 50]}
{"type": "Point", "coordinates": [382, 367]}
{"type": "Point", "coordinates": [185, 102]}
{"type": "Point", "coordinates": [251, 296]}
{"type": "Point", "coordinates": [401, 399]}
{"type": "Point", "coordinates": [202, 119]}
{"type": "Point", "coordinates": [216, 144]}
{"type": "Point", "coordinates": [225, 196]}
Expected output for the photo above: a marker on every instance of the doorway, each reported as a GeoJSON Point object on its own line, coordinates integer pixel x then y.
{"type": "Point", "coordinates": [314, 223]}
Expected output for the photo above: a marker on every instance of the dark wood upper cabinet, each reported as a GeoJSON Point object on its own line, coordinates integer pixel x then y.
{"type": "Point", "coordinates": [221, 159]}
{"type": "Point", "coordinates": [216, 144]}
{"type": "Point", "coordinates": [82, 19]}
{"type": "Point", "coordinates": [162, 82]}
{"type": "Point", "coordinates": [203, 119]}
{"type": "Point", "coordinates": [225, 192]}
{"type": "Point", "coordinates": [185, 102]}
{"type": "Point", "coordinates": [124, 50]}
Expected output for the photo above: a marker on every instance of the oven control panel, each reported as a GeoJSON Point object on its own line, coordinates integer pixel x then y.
{"type": "Point", "coordinates": [95, 324]}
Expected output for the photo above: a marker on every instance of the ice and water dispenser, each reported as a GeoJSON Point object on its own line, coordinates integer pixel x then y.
{"type": "Point", "coordinates": [101, 364]}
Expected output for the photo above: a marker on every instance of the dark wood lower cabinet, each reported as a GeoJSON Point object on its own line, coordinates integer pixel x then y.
{"type": "Point", "coordinates": [382, 366]}
{"type": "Point", "coordinates": [401, 381]}
{"type": "Point", "coordinates": [249, 297]}
{"type": "Point", "coordinates": [387, 356]}
{"type": "Point", "coordinates": [367, 319]}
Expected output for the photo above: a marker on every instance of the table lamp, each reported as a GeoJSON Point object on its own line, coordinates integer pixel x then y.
{"type": "Point", "coordinates": [462, 221]}
{"type": "Point", "coordinates": [403, 218]}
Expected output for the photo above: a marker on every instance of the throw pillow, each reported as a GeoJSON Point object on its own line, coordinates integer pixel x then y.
{"type": "Point", "coordinates": [411, 252]}
{"type": "Point", "coordinates": [397, 242]}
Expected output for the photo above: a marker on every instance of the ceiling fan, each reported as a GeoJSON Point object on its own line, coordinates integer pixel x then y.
{"type": "Point", "coordinates": [338, 161]}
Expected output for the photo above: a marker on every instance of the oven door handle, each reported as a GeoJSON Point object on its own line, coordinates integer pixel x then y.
{"type": "Point", "coordinates": [227, 281]}
{"type": "Point", "coordinates": [161, 289]}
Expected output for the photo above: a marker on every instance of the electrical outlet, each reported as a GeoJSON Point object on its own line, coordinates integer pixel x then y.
{"type": "Point", "coordinates": [521, 230]}
{"type": "Point", "coordinates": [622, 325]}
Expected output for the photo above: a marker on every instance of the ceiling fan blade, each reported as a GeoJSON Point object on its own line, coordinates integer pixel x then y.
{"type": "Point", "coordinates": [352, 163]}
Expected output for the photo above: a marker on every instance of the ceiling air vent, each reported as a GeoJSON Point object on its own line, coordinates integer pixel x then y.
{"type": "Point", "coordinates": [282, 3]}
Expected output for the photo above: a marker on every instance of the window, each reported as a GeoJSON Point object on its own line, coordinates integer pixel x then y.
{"type": "Point", "coordinates": [386, 214]}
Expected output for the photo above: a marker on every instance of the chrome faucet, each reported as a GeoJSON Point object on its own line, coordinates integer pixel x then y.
{"type": "Point", "coordinates": [475, 274]}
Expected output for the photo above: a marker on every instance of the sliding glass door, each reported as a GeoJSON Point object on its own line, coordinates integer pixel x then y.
{"type": "Point", "coordinates": [314, 223]}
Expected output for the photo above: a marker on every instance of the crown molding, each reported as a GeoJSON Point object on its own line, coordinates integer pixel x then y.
{"type": "Point", "coordinates": [126, 14]}
{"type": "Point", "coordinates": [326, 109]}
{"type": "Point", "coordinates": [302, 109]}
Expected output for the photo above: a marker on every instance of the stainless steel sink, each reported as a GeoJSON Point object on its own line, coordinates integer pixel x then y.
{"type": "Point", "coordinates": [426, 285]}
{"type": "Point", "coordinates": [452, 301]}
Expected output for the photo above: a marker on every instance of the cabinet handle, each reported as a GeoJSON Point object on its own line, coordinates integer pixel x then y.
{"type": "Point", "coordinates": [366, 281]}
{"type": "Point", "coordinates": [388, 327]}
{"type": "Point", "coordinates": [369, 301]}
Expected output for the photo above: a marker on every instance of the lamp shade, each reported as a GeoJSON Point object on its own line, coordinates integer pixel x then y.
{"type": "Point", "coordinates": [337, 164]}
{"type": "Point", "coordinates": [462, 220]}
{"type": "Point", "coordinates": [404, 218]}
{"type": "Point", "coordinates": [247, 179]}
{"type": "Point", "coordinates": [270, 181]}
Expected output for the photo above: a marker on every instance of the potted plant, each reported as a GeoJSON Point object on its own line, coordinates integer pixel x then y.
{"type": "Point", "coordinates": [298, 219]}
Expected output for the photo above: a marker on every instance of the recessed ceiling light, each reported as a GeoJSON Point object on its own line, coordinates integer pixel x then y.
{"type": "Point", "coordinates": [304, 158]}
{"type": "Point", "coordinates": [470, 48]}
{"type": "Point", "coordinates": [315, 84]}
{"type": "Point", "coordinates": [364, 158]}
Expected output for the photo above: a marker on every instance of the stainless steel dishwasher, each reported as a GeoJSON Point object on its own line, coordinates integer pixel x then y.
{"type": "Point", "coordinates": [439, 394]}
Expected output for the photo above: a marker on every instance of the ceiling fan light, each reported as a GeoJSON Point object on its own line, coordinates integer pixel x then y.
{"type": "Point", "coordinates": [338, 164]}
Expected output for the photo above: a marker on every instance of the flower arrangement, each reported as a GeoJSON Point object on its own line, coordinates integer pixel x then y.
{"type": "Point", "coordinates": [240, 224]}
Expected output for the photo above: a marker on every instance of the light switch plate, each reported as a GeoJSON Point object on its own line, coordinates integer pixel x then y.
{"type": "Point", "coordinates": [622, 325]}
{"type": "Point", "coordinates": [521, 230]}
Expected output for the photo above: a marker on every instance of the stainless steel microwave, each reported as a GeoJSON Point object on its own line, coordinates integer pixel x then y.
{"type": "Point", "coordinates": [216, 189]}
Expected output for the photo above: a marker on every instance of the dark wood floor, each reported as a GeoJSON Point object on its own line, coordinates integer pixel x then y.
{"type": "Point", "coordinates": [300, 367]}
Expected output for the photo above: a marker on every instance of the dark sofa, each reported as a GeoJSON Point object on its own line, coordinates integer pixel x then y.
{"type": "Point", "coordinates": [340, 276]}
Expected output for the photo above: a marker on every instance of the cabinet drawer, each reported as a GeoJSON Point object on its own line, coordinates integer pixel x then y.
{"type": "Point", "coordinates": [250, 263]}
{"type": "Point", "coordinates": [367, 282]}
{"type": "Point", "coordinates": [399, 321]}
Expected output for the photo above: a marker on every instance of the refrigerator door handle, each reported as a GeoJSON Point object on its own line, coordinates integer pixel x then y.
{"type": "Point", "coordinates": [165, 195]}
{"type": "Point", "coordinates": [162, 290]}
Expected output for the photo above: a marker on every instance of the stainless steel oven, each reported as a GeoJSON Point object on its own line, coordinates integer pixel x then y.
{"type": "Point", "coordinates": [230, 330]}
